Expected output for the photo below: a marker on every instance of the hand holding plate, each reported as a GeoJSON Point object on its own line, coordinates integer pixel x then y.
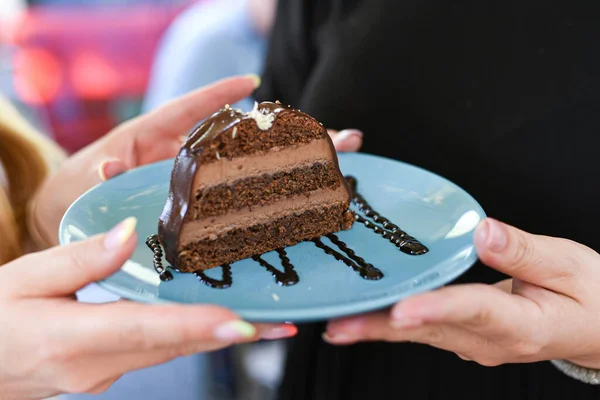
{"type": "Point", "coordinates": [549, 310]}
{"type": "Point", "coordinates": [51, 344]}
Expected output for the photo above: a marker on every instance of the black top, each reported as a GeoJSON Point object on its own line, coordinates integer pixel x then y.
{"type": "Point", "coordinates": [501, 97]}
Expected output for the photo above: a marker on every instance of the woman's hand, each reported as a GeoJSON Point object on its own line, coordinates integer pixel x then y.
{"type": "Point", "coordinates": [347, 140]}
{"type": "Point", "coordinates": [51, 344]}
{"type": "Point", "coordinates": [148, 138]}
{"type": "Point", "coordinates": [549, 310]}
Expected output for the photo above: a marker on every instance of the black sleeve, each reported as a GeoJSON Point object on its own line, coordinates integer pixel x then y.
{"type": "Point", "coordinates": [290, 55]}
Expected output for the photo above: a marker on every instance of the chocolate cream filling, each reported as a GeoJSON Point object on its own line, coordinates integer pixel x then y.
{"type": "Point", "coordinates": [276, 159]}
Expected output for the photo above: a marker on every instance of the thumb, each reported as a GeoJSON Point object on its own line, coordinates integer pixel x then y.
{"type": "Point", "coordinates": [545, 261]}
{"type": "Point", "coordinates": [62, 271]}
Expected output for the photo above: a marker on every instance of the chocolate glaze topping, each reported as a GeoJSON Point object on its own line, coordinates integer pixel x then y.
{"type": "Point", "coordinates": [188, 161]}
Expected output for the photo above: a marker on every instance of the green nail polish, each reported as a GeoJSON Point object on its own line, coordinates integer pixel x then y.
{"type": "Point", "coordinates": [234, 330]}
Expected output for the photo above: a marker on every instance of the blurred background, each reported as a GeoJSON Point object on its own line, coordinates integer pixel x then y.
{"type": "Point", "coordinates": [81, 66]}
{"type": "Point", "coordinates": [77, 68]}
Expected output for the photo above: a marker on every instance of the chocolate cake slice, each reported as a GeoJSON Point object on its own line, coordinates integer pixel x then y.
{"type": "Point", "coordinates": [247, 183]}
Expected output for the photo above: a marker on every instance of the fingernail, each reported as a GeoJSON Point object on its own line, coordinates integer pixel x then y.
{"type": "Point", "coordinates": [234, 330]}
{"type": "Point", "coordinates": [110, 168]}
{"type": "Point", "coordinates": [278, 332]}
{"type": "Point", "coordinates": [346, 133]}
{"type": "Point", "coordinates": [256, 79]}
{"type": "Point", "coordinates": [338, 338]}
{"type": "Point", "coordinates": [101, 172]}
{"type": "Point", "coordinates": [120, 233]}
{"type": "Point", "coordinates": [492, 235]}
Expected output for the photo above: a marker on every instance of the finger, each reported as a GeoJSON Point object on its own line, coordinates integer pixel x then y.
{"type": "Point", "coordinates": [368, 327]}
{"type": "Point", "coordinates": [62, 271]}
{"type": "Point", "coordinates": [347, 140]}
{"type": "Point", "coordinates": [549, 262]}
{"type": "Point", "coordinates": [276, 331]}
{"type": "Point", "coordinates": [110, 168]}
{"type": "Point", "coordinates": [179, 116]}
{"type": "Point", "coordinates": [480, 308]}
{"type": "Point", "coordinates": [505, 285]}
{"type": "Point", "coordinates": [128, 326]}
{"type": "Point", "coordinates": [377, 326]}
{"type": "Point", "coordinates": [265, 331]}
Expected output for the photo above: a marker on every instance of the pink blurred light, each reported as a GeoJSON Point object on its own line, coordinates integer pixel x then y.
{"type": "Point", "coordinates": [93, 77]}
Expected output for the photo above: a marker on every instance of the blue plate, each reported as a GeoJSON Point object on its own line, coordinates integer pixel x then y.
{"type": "Point", "coordinates": [435, 211]}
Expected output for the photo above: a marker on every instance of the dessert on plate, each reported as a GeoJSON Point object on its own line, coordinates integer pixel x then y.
{"type": "Point", "coordinates": [248, 183]}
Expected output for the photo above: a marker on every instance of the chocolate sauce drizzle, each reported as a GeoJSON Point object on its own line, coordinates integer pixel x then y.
{"type": "Point", "coordinates": [154, 245]}
{"type": "Point", "coordinates": [288, 277]}
{"type": "Point", "coordinates": [388, 230]}
{"type": "Point", "coordinates": [364, 269]}
{"type": "Point", "coordinates": [222, 283]}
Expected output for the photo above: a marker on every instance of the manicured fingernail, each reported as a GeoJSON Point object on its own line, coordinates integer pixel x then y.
{"type": "Point", "coordinates": [278, 332]}
{"type": "Point", "coordinates": [120, 233]}
{"type": "Point", "coordinates": [492, 235]}
{"type": "Point", "coordinates": [101, 172]}
{"type": "Point", "coordinates": [256, 79]}
{"type": "Point", "coordinates": [110, 168]}
{"type": "Point", "coordinates": [234, 330]}
{"type": "Point", "coordinates": [346, 133]}
{"type": "Point", "coordinates": [339, 338]}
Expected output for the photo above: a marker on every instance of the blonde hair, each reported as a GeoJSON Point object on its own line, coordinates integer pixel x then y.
{"type": "Point", "coordinates": [26, 158]}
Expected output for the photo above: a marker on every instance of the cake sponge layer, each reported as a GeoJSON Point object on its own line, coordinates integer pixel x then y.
{"type": "Point", "coordinates": [244, 138]}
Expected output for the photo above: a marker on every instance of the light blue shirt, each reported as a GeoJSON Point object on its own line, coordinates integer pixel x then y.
{"type": "Point", "coordinates": [207, 42]}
